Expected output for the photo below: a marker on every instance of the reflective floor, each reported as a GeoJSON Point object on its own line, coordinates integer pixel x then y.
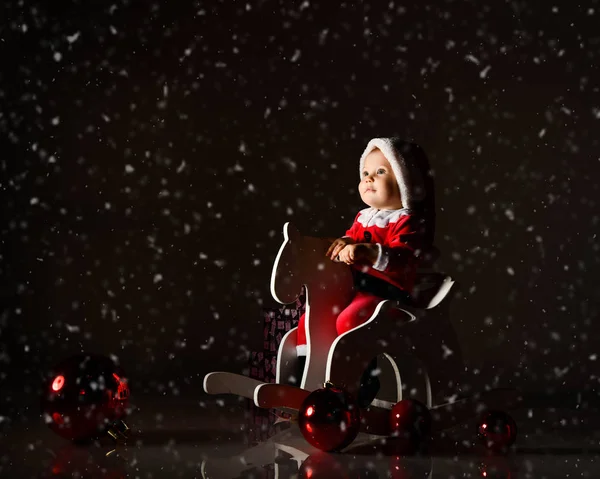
{"type": "Point", "coordinates": [224, 438]}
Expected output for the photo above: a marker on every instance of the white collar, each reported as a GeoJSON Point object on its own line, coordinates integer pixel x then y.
{"type": "Point", "coordinates": [380, 218]}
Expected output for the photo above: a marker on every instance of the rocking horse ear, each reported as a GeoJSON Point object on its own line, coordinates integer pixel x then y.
{"type": "Point", "coordinates": [290, 232]}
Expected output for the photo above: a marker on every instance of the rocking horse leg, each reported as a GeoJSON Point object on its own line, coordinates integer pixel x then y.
{"type": "Point", "coordinates": [287, 360]}
{"type": "Point", "coordinates": [414, 383]}
{"type": "Point", "coordinates": [347, 368]}
{"type": "Point", "coordinates": [351, 353]}
{"type": "Point", "coordinates": [389, 379]}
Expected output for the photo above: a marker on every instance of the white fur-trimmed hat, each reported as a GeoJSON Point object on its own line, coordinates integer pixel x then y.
{"type": "Point", "coordinates": [408, 176]}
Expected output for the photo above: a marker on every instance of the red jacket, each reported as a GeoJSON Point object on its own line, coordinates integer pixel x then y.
{"type": "Point", "coordinates": [397, 234]}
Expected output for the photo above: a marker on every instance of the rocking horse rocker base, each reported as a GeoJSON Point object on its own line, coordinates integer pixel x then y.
{"type": "Point", "coordinates": [417, 351]}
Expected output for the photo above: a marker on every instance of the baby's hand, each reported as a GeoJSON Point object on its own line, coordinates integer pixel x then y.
{"type": "Point", "coordinates": [358, 253]}
{"type": "Point", "coordinates": [337, 246]}
{"type": "Point", "coordinates": [348, 254]}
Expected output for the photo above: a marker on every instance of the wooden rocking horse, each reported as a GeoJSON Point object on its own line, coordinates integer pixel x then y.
{"type": "Point", "coordinates": [418, 353]}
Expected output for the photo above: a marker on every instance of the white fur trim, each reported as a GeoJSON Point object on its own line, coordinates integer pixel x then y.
{"type": "Point", "coordinates": [301, 349]}
{"type": "Point", "coordinates": [383, 258]}
{"type": "Point", "coordinates": [409, 180]}
{"type": "Point", "coordinates": [380, 218]}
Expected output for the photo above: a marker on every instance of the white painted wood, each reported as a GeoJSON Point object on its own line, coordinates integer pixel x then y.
{"type": "Point", "coordinates": [442, 292]}
{"type": "Point", "coordinates": [430, 289]}
{"type": "Point", "coordinates": [279, 396]}
{"type": "Point", "coordinates": [229, 383]}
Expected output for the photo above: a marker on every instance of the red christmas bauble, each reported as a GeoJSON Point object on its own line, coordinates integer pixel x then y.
{"type": "Point", "coordinates": [410, 419]}
{"type": "Point", "coordinates": [329, 418]}
{"type": "Point", "coordinates": [321, 466]}
{"type": "Point", "coordinates": [84, 396]}
{"type": "Point", "coordinates": [497, 430]}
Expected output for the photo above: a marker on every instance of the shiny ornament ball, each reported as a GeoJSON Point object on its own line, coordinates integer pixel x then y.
{"type": "Point", "coordinates": [84, 396]}
{"type": "Point", "coordinates": [497, 430]}
{"type": "Point", "coordinates": [410, 419]}
{"type": "Point", "coordinates": [329, 418]}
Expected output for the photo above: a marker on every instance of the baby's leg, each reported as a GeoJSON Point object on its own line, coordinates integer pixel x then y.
{"type": "Point", "coordinates": [301, 344]}
{"type": "Point", "coordinates": [357, 312]}
{"type": "Point", "coordinates": [300, 350]}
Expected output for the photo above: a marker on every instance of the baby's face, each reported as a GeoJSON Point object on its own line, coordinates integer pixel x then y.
{"type": "Point", "coordinates": [378, 187]}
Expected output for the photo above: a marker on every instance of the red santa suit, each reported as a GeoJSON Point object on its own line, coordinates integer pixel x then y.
{"type": "Point", "coordinates": [396, 233]}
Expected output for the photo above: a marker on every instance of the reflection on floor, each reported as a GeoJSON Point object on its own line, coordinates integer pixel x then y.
{"type": "Point", "coordinates": [216, 439]}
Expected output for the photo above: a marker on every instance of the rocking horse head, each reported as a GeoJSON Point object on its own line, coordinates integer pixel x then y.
{"type": "Point", "coordinates": [301, 261]}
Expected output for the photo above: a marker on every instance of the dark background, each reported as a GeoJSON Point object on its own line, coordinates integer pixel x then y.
{"type": "Point", "coordinates": [151, 153]}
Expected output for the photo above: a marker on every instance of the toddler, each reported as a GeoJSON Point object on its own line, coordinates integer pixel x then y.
{"type": "Point", "coordinates": [385, 241]}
